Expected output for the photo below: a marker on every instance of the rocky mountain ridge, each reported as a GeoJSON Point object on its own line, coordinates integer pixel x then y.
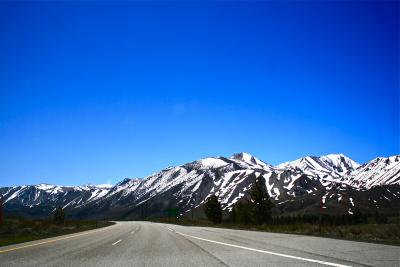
{"type": "Point", "coordinates": [342, 184]}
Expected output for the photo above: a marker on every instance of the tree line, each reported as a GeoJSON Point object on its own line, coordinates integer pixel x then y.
{"type": "Point", "coordinates": [329, 219]}
{"type": "Point", "coordinates": [256, 209]}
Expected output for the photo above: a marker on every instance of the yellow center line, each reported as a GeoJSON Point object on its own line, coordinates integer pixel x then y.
{"type": "Point", "coordinates": [53, 240]}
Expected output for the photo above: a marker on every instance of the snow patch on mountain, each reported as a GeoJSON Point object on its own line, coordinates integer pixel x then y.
{"type": "Point", "coordinates": [230, 179]}
{"type": "Point", "coordinates": [212, 163]}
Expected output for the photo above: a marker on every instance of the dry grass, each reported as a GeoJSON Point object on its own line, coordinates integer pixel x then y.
{"type": "Point", "coordinates": [20, 230]}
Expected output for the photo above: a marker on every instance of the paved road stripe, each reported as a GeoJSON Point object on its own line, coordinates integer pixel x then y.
{"type": "Point", "coordinates": [53, 240]}
{"type": "Point", "coordinates": [113, 244]}
{"type": "Point", "coordinates": [266, 251]}
{"type": "Point", "coordinates": [135, 230]}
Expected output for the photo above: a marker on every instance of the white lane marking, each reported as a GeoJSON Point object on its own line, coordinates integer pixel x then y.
{"type": "Point", "coordinates": [58, 239]}
{"type": "Point", "coordinates": [135, 230]}
{"type": "Point", "coordinates": [170, 229]}
{"type": "Point", "coordinates": [267, 252]}
{"type": "Point", "coordinates": [113, 244]}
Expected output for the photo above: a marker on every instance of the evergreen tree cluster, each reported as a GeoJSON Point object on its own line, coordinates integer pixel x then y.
{"type": "Point", "coordinates": [59, 216]}
{"type": "Point", "coordinates": [256, 210]}
{"type": "Point", "coordinates": [213, 209]}
{"type": "Point", "coordinates": [327, 219]}
{"type": "Point", "coordinates": [260, 204]}
{"type": "Point", "coordinates": [380, 218]}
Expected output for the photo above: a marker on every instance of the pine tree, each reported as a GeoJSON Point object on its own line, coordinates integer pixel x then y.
{"type": "Point", "coordinates": [59, 216]}
{"type": "Point", "coordinates": [213, 209]}
{"type": "Point", "coordinates": [260, 202]}
{"type": "Point", "coordinates": [242, 212]}
{"type": "Point", "coordinates": [380, 218]}
{"type": "Point", "coordinates": [357, 217]}
{"type": "Point", "coordinates": [233, 215]}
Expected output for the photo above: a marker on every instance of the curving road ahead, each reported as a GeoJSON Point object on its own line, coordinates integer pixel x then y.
{"type": "Point", "coordinates": [153, 244]}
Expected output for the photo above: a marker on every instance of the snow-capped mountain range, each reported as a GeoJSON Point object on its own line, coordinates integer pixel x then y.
{"type": "Point", "coordinates": [298, 186]}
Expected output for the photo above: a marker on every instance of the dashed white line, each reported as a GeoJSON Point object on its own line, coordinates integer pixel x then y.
{"type": "Point", "coordinates": [113, 244]}
{"type": "Point", "coordinates": [265, 251]}
{"type": "Point", "coordinates": [135, 230]}
{"type": "Point", "coordinates": [170, 229]}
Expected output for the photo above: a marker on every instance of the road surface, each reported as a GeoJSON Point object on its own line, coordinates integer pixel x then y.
{"type": "Point", "coordinates": [154, 244]}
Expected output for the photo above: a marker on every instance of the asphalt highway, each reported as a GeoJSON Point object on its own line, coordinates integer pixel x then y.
{"type": "Point", "coordinates": [154, 244]}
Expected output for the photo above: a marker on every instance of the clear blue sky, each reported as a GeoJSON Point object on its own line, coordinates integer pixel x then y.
{"type": "Point", "coordinates": [95, 92]}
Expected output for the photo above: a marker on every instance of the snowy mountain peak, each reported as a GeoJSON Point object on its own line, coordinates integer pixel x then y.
{"type": "Point", "coordinates": [377, 172]}
{"type": "Point", "coordinates": [249, 159]}
{"type": "Point", "coordinates": [44, 186]}
{"type": "Point", "coordinates": [333, 165]}
{"type": "Point", "coordinates": [124, 181]}
{"type": "Point", "coordinates": [386, 161]}
{"type": "Point", "coordinates": [243, 156]}
{"type": "Point", "coordinates": [339, 159]}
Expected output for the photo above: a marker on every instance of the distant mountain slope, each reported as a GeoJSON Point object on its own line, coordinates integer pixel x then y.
{"type": "Point", "coordinates": [41, 199]}
{"type": "Point", "coordinates": [380, 171]}
{"type": "Point", "coordinates": [296, 186]}
{"type": "Point", "coordinates": [333, 165]}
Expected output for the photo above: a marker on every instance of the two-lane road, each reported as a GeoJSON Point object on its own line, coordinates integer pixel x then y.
{"type": "Point", "coordinates": [153, 244]}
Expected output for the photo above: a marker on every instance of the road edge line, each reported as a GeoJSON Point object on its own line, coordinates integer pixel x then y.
{"type": "Point", "coordinates": [267, 252]}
